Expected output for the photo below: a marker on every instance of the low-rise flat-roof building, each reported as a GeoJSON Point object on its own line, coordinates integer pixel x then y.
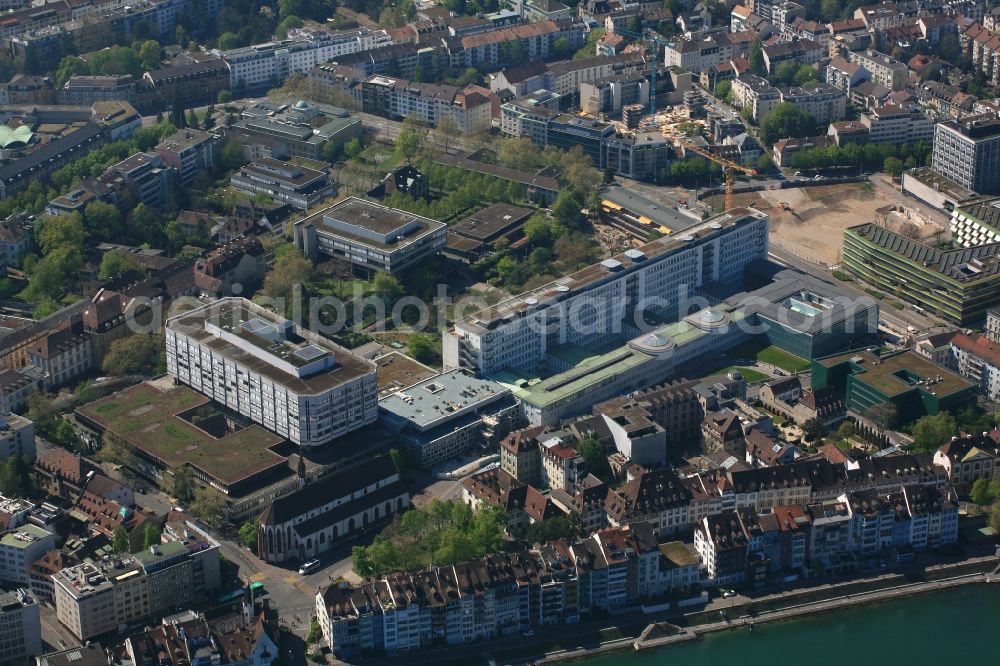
{"type": "Point", "coordinates": [472, 238]}
{"type": "Point", "coordinates": [284, 182]}
{"type": "Point", "coordinates": [303, 129]}
{"type": "Point", "coordinates": [913, 384]}
{"type": "Point", "coordinates": [272, 371]}
{"type": "Point", "coordinates": [443, 416]}
{"type": "Point", "coordinates": [636, 215]}
{"type": "Point", "coordinates": [370, 236]}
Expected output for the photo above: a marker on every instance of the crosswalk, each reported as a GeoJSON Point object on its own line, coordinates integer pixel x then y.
{"type": "Point", "coordinates": [258, 577]}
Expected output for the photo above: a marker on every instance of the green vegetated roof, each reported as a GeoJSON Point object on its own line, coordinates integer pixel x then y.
{"type": "Point", "coordinates": [147, 418]}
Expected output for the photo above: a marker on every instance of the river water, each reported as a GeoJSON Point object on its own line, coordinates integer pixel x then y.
{"type": "Point", "coordinates": [961, 625]}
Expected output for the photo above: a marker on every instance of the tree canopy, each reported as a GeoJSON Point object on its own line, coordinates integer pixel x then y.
{"type": "Point", "coordinates": [444, 532]}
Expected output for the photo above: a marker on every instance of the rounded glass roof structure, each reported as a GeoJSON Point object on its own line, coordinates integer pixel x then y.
{"type": "Point", "coordinates": [15, 138]}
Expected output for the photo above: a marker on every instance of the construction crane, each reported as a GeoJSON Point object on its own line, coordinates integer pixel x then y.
{"type": "Point", "coordinates": [729, 166]}
{"type": "Point", "coordinates": [656, 42]}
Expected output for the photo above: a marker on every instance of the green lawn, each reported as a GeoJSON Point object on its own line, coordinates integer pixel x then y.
{"type": "Point", "coordinates": [749, 374]}
{"type": "Point", "coordinates": [759, 351]}
{"type": "Point", "coordinates": [782, 359]}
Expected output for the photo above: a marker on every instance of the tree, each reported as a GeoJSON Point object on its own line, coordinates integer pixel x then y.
{"type": "Point", "coordinates": [398, 458]}
{"type": "Point", "coordinates": [893, 166]}
{"type": "Point", "coordinates": [181, 483]}
{"type": "Point", "coordinates": [227, 41]}
{"type": "Point", "coordinates": [288, 23]}
{"type": "Point", "coordinates": [70, 65]}
{"type": "Point", "coordinates": [116, 60]}
{"type": "Point", "coordinates": [786, 121]}
{"type": "Point", "coordinates": [812, 429]}
{"type": "Point", "coordinates": [424, 348]}
{"type": "Point", "coordinates": [756, 59]}
{"type": "Point", "coordinates": [119, 541]}
{"type": "Point", "coordinates": [884, 415]}
{"type": "Point", "coordinates": [133, 355]}
{"type": "Point", "coordinates": [104, 221]}
{"type": "Point", "coordinates": [150, 535]}
{"type": "Point", "coordinates": [115, 263]}
{"type": "Point", "coordinates": [149, 55]}
{"type": "Point", "coordinates": [352, 149]}
{"type": "Point", "coordinates": [361, 561]}
{"type": "Point", "coordinates": [994, 517]}
{"type": "Point", "coordinates": [980, 493]}
{"type": "Point", "coordinates": [248, 534]}
{"type": "Point", "coordinates": [224, 97]}
{"type": "Point", "coordinates": [290, 269]}
{"type": "Point", "coordinates": [930, 432]}
{"type": "Point", "coordinates": [410, 138]}
{"type": "Point", "coordinates": [387, 288]}
{"type": "Point", "coordinates": [567, 209]}
{"type": "Point", "coordinates": [60, 231]}
{"type": "Point", "coordinates": [596, 458]}
{"type": "Point", "coordinates": [209, 505]}
{"type": "Point", "coordinates": [232, 157]}
{"type": "Point", "coordinates": [846, 430]}
{"type": "Point", "coordinates": [15, 477]}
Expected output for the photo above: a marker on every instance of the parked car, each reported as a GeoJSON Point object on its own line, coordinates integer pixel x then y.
{"type": "Point", "coordinates": [729, 593]}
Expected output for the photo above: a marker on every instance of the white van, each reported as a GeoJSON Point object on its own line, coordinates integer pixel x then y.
{"type": "Point", "coordinates": [309, 566]}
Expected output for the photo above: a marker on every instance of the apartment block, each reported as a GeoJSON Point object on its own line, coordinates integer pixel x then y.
{"type": "Point", "coordinates": [967, 151]}
{"type": "Point", "coordinates": [885, 70]}
{"type": "Point", "coordinates": [978, 360]}
{"type": "Point", "coordinates": [757, 93]}
{"type": "Point", "coordinates": [286, 378]}
{"type": "Point", "coordinates": [189, 152]}
{"type": "Point", "coordinates": [262, 65]}
{"type": "Point", "coordinates": [20, 627]}
{"type": "Point", "coordinates": [303, 129]}
{"type": "Point", "coordinates": [499, 595]}
{"type": "Point", "coordinates": [116, 591]}
{"type": "Point", "coordinates": [20, 547]}
{"type": "Point", "coordinates": [17, 437]}
{"type": "Point", "coordinates": [146, 176]}
{"type": "Point", "coordinates": [895, 124]}
{"type": "Point", "coordinates": [398, 99]}
{"type": "Point", "coordinates": [824, 102]}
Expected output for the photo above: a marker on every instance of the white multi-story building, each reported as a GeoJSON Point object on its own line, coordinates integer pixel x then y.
{"type": "Point", "coordinates": [885, 70]}
{"type": "Point", "coordinates": [589, 307]}
{"type": "Point", "coordinates": [978, 359]}
{"type": "Point", "coordinates": [288, 379]}
{"type": "Point", "coordinates": [432, 102]}
{"type": "Point", "coordinates": [266, 64]}
{"type": "Point", "coordinates": [20, 627]}
{"type": "Point", "coordinates": [894, 124]}
{"type": "Point", "coordinates": [824, 102]}
{"type": "Point", "coordinates": [17, 437]}
{"type": "Point", "coordinates": [20, 548]}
